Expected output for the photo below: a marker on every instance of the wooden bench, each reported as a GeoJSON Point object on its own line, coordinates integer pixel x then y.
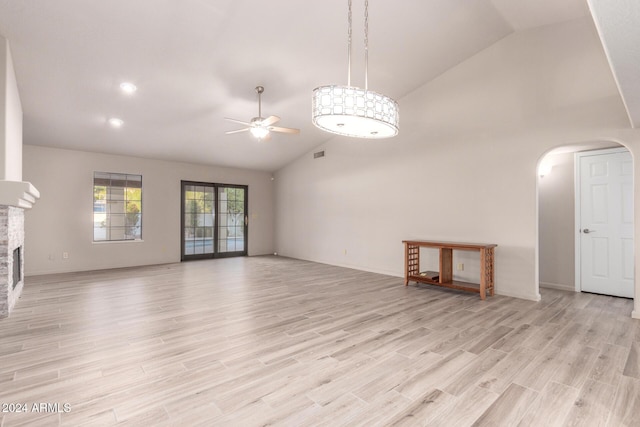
{"type": "Point", "coordinates": [445, 274]}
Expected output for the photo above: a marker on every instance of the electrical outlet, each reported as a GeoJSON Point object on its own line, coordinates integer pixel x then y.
{"type": "Point", "coordinates": [65, 255]}
{"type": "Point", "coordinates": [460, 266]}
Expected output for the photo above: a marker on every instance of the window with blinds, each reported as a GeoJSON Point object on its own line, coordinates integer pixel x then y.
{"type": "Point", "coordinates": [117, 207]}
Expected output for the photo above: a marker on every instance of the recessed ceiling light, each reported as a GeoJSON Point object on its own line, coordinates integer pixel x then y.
{"type": "Point", "coordinates": [128, 88]}
{"type": "Point", "coordinates": [115, 122]}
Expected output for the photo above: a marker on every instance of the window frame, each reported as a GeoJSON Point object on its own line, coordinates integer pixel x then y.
{"type": "Point", "coordinates": [106, 209]}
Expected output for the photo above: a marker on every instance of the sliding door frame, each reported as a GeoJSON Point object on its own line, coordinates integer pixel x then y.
{"type": "Point", "coordinates": [216, 252]}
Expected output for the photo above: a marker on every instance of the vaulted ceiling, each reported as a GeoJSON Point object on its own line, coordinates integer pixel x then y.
{"type": "Point", "coordinates": [618, 23]}
{"type": "Point", "coordinates": [197, 61]}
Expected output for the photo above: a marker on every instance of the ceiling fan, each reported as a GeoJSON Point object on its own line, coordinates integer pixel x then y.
{"type": "Point", "coordinates": [261, 127]}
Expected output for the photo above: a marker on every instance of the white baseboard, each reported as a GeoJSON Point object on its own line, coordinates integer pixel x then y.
{"type": "Point", "coordinates": [558, 286]}
{"type": "Point", "coordinates": [361, 268]}
{"type": "Point", "coordinates": [529, 297]}
{"type": "Point", "coordinates": [635, 314]}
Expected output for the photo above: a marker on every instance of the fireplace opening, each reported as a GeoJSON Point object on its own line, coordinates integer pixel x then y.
{"type": "Point", "coordinates": [17, 264]}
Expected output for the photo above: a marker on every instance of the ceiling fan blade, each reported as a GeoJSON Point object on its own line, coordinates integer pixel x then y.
{"type": "Point", "coordinates": [269, 120]}
{"type": "Point", "coordinates": [283, 130]}
{"type": "Point", "coordinates": [236, 131]}
{"type": "Point", "coordinates": [238, 121]}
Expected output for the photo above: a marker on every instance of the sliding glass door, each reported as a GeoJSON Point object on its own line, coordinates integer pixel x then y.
{"type": "Point", "coordinates": [232, 207]}
{"type": "Point", "coordinates": [214, 220]}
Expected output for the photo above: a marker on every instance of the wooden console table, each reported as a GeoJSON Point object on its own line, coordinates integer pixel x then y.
{"type": "Point", "coordinates": [445, 274]}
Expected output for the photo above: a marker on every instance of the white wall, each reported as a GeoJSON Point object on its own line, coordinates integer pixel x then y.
{"type": "Point", "coordinates": [463, 167]}
{"type": "Point", "coordinates": [10, 118]}
{"type": "Point", "coordinates": [62, 219]}
{"type": "Point", "coordinates": [556, 195]}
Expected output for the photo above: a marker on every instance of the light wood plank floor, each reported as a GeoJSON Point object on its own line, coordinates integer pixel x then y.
{"type": "Point", "coordinates": [275, 341]}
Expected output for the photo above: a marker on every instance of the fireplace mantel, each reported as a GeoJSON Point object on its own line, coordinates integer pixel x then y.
{"type": "Point", "coordinates": [20, 194]}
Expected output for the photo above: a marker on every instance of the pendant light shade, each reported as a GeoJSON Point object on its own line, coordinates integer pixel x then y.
{"type": "Point", "coordinates": [351, 111]}
{"type": "Point", "coordinates": [355, 112]}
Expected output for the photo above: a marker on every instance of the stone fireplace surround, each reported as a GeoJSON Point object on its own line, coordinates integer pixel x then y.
{"type": "Point", "coordinates": [11, 238]}
{"type": "Point", "coordinates": [15, 197]}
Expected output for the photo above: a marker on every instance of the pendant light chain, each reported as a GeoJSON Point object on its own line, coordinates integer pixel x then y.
{"type": "Point", "coordinates": [366, 45]}
{"type": "Point", "coordinates": [349, 49]}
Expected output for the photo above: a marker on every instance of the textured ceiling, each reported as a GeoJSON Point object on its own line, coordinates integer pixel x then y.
{"type": "Point", "coordinates": [197, 61]}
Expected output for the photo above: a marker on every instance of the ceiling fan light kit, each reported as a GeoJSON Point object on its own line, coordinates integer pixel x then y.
{"type": "Point", "coordinates": [259, 132]}
{"type": "Point", "coordinates": [351, 111]}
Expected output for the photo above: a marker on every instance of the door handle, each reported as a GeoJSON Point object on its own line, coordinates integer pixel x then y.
{"type": "Point", "coordinates": [246, 220]}
{"type": "Point", "coordinates": [587, 231]}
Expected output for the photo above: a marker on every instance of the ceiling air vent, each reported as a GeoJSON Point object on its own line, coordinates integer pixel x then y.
{"type": "Point", "coordinates": [318, 154]}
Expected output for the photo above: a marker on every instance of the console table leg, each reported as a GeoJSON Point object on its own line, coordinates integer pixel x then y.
{"type": "Point", "coordinates": [483, 274]}
{"type": "Point", "coordinates": [406, 264]}
{"type": "Point", "coordinates": [491, 271]}
{"type": "Point", "coordinates": [411, 261]}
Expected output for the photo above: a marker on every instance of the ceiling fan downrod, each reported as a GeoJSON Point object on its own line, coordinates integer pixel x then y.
{"type": "Point", "coordinates": [259, 89]}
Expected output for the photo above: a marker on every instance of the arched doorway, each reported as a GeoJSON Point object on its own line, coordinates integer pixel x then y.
{"type": "Point", "coordinates": [556, 228]}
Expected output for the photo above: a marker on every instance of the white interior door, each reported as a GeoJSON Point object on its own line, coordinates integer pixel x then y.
{"type": "Point", "coordinates": [606, 222]}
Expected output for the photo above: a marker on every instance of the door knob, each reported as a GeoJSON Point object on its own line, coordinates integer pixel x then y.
{"type": "Point", "coordinates": [587, 231]}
